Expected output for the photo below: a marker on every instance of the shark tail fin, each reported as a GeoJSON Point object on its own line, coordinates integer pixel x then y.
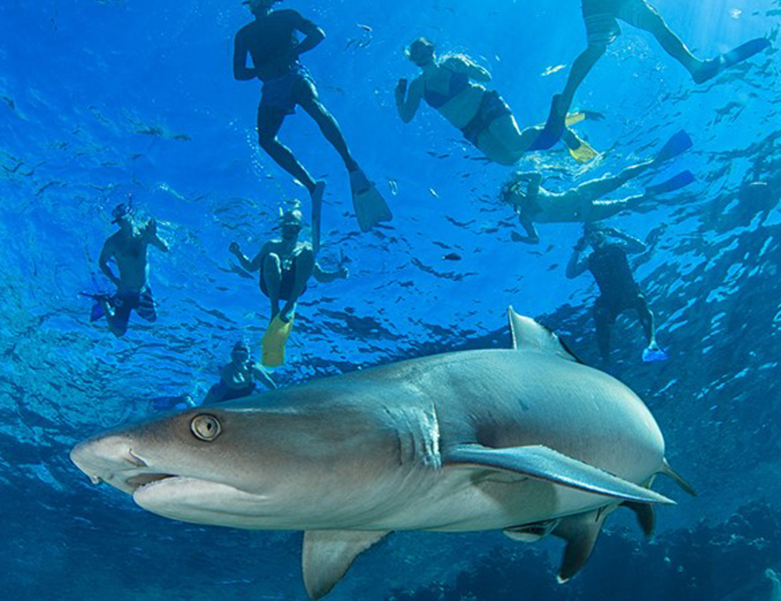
{"type": "Point", "coordinates": [679, 480]}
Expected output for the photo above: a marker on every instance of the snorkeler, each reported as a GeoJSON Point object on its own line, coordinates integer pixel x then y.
{"type": "Point", "coordinates": [238, 378]}
{"type": "Point", "coordinates": [483, 116]}
{"type": "Point", "coordinates": [272, 42]}
{"type": "Point", "coordinates": [128, 249]}
{"type": "Point", "coordinates": [535, 204]}
{"type": "Point", "coordinates": [609, 265]}
{"type": "Point", "coordinates": [601, 18]}
{"type": "Point", "coordinates": [285, 267]}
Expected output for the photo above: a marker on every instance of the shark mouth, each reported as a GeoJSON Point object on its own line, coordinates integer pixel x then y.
{"type": "Point", "coordinates": [136, 483]}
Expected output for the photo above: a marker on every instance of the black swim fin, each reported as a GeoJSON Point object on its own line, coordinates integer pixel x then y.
{"type": "Point", "coordinates": [676, 182]}
{"type": "Point", "coordinates": [678, 143]}
{"type": "Point", "coordinates": [711, 68]}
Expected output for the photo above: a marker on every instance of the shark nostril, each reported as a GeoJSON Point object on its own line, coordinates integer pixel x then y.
{"type": "Point", "coordinates": [135, 460]}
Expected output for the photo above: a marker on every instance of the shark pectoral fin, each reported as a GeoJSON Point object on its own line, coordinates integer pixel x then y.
{"type": "Point", "coordinates": [531, 533]}
{"type": "Point", "coordinates": [581, 532]}
{"type": "Point", "coordinates": [646, 517]}
{"type": "Point", "coordinates": [528, 334]}
{"type": "Point", "coordinates": [328, 554]}
{"type": "Point", "coordinates": [542, 463]}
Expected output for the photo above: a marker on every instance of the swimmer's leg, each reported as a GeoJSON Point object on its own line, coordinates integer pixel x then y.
{"type": "Point", "coordinates": [647, 320]}
{"type": "Point", "coordinates": [503, 141]}
{"type": "Point", "coordinates": [597, 188]}
{"type": "Point", "coordinates": [605, 209]}
{"type": "Point", "coordinates": [269, 124]}
{"type": "Point", "coordinates": [647, 18]}
{"type": "Point", "coordinates": [272, 278]}
{"type": "Point", "coordinates": [309, 100]}
{"type": "Point", "coordinates": [304, 267]}
{"type": "Point", "coordinates": [117, 317]}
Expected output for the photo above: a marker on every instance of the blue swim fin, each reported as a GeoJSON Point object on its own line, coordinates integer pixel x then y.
{"type": "Point", "coordinates": [654, 354]}
{"type": "Point", "coordinates": [678, 143]}
{"type": "Point", "coordinates": [676, 182]}
{"type": "Point", "coordinates": [98, 312]}
{"type": "Point", "coordinates": [713, 67]}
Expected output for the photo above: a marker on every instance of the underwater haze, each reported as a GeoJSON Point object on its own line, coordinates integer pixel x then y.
{"type": "Point", "coordinates": [102, 99]}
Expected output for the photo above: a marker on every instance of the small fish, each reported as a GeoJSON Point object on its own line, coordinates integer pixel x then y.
{"type": "Point", "coordinates": [451, 257]}
{"type": "Point", "coordinates": [394, 186]}
{"type": "Point", "coordinates": [365, 27]}
{"type": "Point", "coordinates": [433, 193]}
{"type": "Point", "coordinates": [551, 70]}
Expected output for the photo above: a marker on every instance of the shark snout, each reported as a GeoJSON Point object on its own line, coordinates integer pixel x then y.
{"type": "Point", "coordinates": [109, 459]}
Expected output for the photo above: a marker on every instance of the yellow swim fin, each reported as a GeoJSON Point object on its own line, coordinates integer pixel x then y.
{"type": "Point", "coordinates": [574, 118]}
{"type": "Point", "coordinates": [581, 151]}
{"type": "Point", "coordinates": [274, 341]}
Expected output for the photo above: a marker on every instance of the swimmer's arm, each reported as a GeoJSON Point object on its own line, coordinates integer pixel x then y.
{"type": "Point", "coordinates": [240, 51]}
{"type": "Point", "coordinates": [630, 244]}
{"type": "Point", "coordinates": [105, 255]}
{"type": "Point", "coordinates": [314, 35]}
{"type": "Point", "coordinates": [259, 372]}
{"type": "Point", "coordinates": [471, 68]}
{"type": "Point", "coordinates": [153, 238]}
{"type": "Point", "coordinates": [408, 106]}
{"type": "Point", "coordinates": [324, 277]}
{"type": "Point", "coordinates": [532, 236]}
{"type": "Point", "coordinates": [577, 264]}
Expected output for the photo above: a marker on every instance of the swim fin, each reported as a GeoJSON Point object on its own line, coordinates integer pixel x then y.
{"type": "Point", "coordinates": [678, 143]}
{"type": "Point", "coordinates": [369, 205]}
{"type": "Point", "coordinates": [274, 341]}
{"type": "Point", "coordinates": [711, 68]}
{"type": "Point", "coordinates": [317, 212]}
{"type": "Point", "coordinates": [580, 150]}
{"type": "Point", "coordinates": [676, 182]}
{"type": "Point", "coordinates": [98, 312]}
{"type": "Point", "coordinates": [654, 354]}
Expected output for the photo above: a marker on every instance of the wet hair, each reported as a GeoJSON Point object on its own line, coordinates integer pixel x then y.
{"type": "Point", "coordinates": [268, 2]}
{"type": "Point", "coordinates": [418, 47]}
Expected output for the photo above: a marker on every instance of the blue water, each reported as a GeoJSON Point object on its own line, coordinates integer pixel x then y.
{"type": "Point", "coordinates": [105, 98]}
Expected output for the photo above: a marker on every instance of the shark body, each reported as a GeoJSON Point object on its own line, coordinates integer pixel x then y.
{"type": "Point", "coordinates": [528, 441]}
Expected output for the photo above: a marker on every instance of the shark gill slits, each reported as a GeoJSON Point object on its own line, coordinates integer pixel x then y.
{"type": "Point", "coordinates": [206, 427]}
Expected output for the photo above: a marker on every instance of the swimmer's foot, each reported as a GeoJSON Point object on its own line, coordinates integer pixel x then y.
{"type": "Point", "coordinates": [711, 68]}
{"type": "Point", "coordinates": [654, 354]}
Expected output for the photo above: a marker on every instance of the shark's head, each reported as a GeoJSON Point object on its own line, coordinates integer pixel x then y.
{"type": "Point", "coordinates": [239, 465]}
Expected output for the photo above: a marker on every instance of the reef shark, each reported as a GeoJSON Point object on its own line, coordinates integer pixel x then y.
{"type": "Point", "coordinates": [529, 441]}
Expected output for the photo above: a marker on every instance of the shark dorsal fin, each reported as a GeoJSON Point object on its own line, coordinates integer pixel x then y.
{"type": "Point", "coordinates": [328, 554]}
{"type": "Point", "coordinates": [530, 335]}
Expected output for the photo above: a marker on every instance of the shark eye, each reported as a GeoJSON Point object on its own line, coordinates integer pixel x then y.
{"type": "Point", "coordinates": [206, 427]}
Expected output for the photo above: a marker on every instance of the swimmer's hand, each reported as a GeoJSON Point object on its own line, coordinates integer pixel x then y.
{"type": "Point", "coordinates": [151, 226]}
{"type": "Point", "coordinates": [234, 248]}
{"type": "Point", "coordinates": [581, 245]}
{"type": "Point", "coordinates": [343, 273]}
